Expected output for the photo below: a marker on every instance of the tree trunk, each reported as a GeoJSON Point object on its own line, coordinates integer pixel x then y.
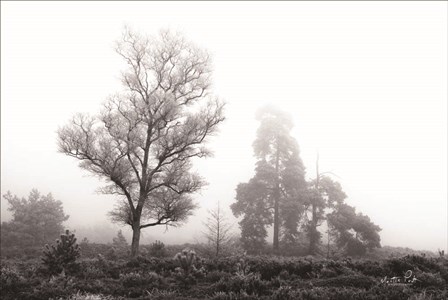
{"type": "Point", "coordinates": [276, 225]}
{"type": "Point", "coordinates": [313, 232]}
{"type": "Point", "coordinates": [328, 240]}
{"type": "Point", "coordinates": [313, 229]}
{"type": "Point", "coordinates": [276, 203]}
{"type": "Point", "coordinates": [135, 238]}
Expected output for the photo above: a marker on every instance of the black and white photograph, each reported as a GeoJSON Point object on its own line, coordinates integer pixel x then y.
{"type": "Point", "coordinates": [224, 150]}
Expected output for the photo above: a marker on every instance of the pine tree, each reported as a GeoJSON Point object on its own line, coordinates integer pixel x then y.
{"type": "Point", "coordinates": [63, 255]}
{"type": "Point", "coordinates": [275, 194]}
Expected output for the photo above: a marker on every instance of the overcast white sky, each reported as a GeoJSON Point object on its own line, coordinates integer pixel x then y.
{"type": "Point", "coordinates": [366, 83]}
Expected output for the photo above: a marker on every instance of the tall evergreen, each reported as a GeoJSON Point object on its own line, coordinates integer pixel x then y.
{"type": "Point", "coordinates": [274, 196]}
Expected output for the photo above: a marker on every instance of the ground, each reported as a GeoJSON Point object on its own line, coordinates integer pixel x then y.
{"type": "Point", "coordinates": [103, 273]}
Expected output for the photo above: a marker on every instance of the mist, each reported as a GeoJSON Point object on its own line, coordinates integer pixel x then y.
{"type": "Point", "coordinates": [366, 88]}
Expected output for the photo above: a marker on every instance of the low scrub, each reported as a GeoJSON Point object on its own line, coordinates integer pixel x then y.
{"type": "Point", "coordinates": [189, 276]}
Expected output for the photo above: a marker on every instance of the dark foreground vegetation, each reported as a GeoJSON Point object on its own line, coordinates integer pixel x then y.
{"type": "Point", "coordinates": [105, 272]}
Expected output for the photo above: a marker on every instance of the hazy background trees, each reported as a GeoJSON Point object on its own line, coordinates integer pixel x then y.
{"type": "Point", "coordinates": [354, 233]}
{"type": "Point", "coordinates": [37, 220]}
{"type": "Point", "coordinates": [143, 141]}
{"type": "Point", "coordinates": [119, 241]}
{"type": "Point", "coordinates": [278, 195]}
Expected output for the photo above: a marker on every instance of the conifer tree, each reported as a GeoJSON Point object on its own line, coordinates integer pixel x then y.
{"type": "Point", "coordinates": [275, 194]}
{"type": "Point", "coordinates": [63, 255]}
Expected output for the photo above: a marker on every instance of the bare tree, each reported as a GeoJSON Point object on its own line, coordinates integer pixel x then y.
{"type": "Point", "coordinates": [218, 232]}
{"type": "Point", "coordinates": [145, 137]}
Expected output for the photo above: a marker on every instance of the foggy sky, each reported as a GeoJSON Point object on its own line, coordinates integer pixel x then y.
{"type": "Point", "coordinates": [366, 84]}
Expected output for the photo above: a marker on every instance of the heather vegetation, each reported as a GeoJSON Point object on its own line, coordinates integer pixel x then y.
{"type": "Point", "coordinates": [193, 274]}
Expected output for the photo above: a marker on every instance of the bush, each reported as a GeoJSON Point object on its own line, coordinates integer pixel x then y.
{"type": "Point", "coordinates": [144, 280]}
{"type": "Point", "coordinates": [10, 279]}
{"type": "Point", "coordinates": [26, 253]}
{"type": "Point", "coordinates": [250, 284]}
{"type": "Point", "coordinates": [426, 280]}
{"type": "Point", "coordinates": [156, 294]}
{"type": "Point", "coordinates": [284, 293]}
{"type": "Point", "coordinates": [398, 266]}
{"type": "Point", "coordinates": [63, 255]}
{"type": "Point", "coordinates": [57, 286]}
{"type": "Point", "coordinates": [370, 268]}
{"type": "Point", "coordinates": [91, 250]}
{"type": "Point", "coordinates": [233, 296]}
{"type": "Point", "coordinates": [215, 276]}
{"type": "Point", "coordinates": [186, 260]}
{"type": "Point", "coordinates": [88, 296]}
{"type": "Point", "coordinates": [428, 295]}
{"type": "Point", "coordinates": [157, 249]}
{"type": "Point", "coordinates": [187, 273]}
{"type": "Point", "coordinates": [104, 286]}
{"type": "Point", "coordinates": [93, 270]}
{"type": "Point", "coordinates": [358, 281]}
{"type": "Point", "coordinates": [270, 267]}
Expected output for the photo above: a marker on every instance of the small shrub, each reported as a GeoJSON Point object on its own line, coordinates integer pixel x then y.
{"type": "Point", "coordinates": [10, 279]}
{"type": "Point", "coordinates": [63, 255]}
{"type": "Point", "coordinates": [284, 293]}
{"type": "Point", "coordinates": [119, 241]}
{"type": "Point", "coordinates": [57, 286]}
{"type": "Point", "coordinates": [398, 266]}
{"type": "Point", "coordinates": [132, 279]}
{"type": "Point", "coordinates": [136, 284]}
{"type": "Point", "coordinates": [186, 260]}
{"type": "Point", "coordinates": [111, 254]}
{"type": "Point", "coordinates": [88, 296]}
{"type": "Point", "coordinates": [358, 281]}
{"type": "Point", "coordinates": [91, 250]}
{"type": "Point", "coordinates": [157, 249]}
{"type": "Point", "coordinates": [250, 284]}
{"type": "Point", "coordinates": [92, 270]}
{"type": "Point", "coordinates": [370, 268]}
{"type": "Point", "coordinates": [187, 273]}
{"type": "Point", "coordinates": [284, 275]}
{"type": "Point", "coordinates": [243, 268]}
{"type": "Point", "coordinates": [421, 296]}
{"type": "Point", "coordinates": [215, 276]}
{"type": "Point", "coordinates": [146, 280]}
{"type": "Point", "coordinates": [327, 293]}
{"type": "Point", "coordinates": [426, 280]}
{"type": "Point", "coordinates": [156, 294]}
